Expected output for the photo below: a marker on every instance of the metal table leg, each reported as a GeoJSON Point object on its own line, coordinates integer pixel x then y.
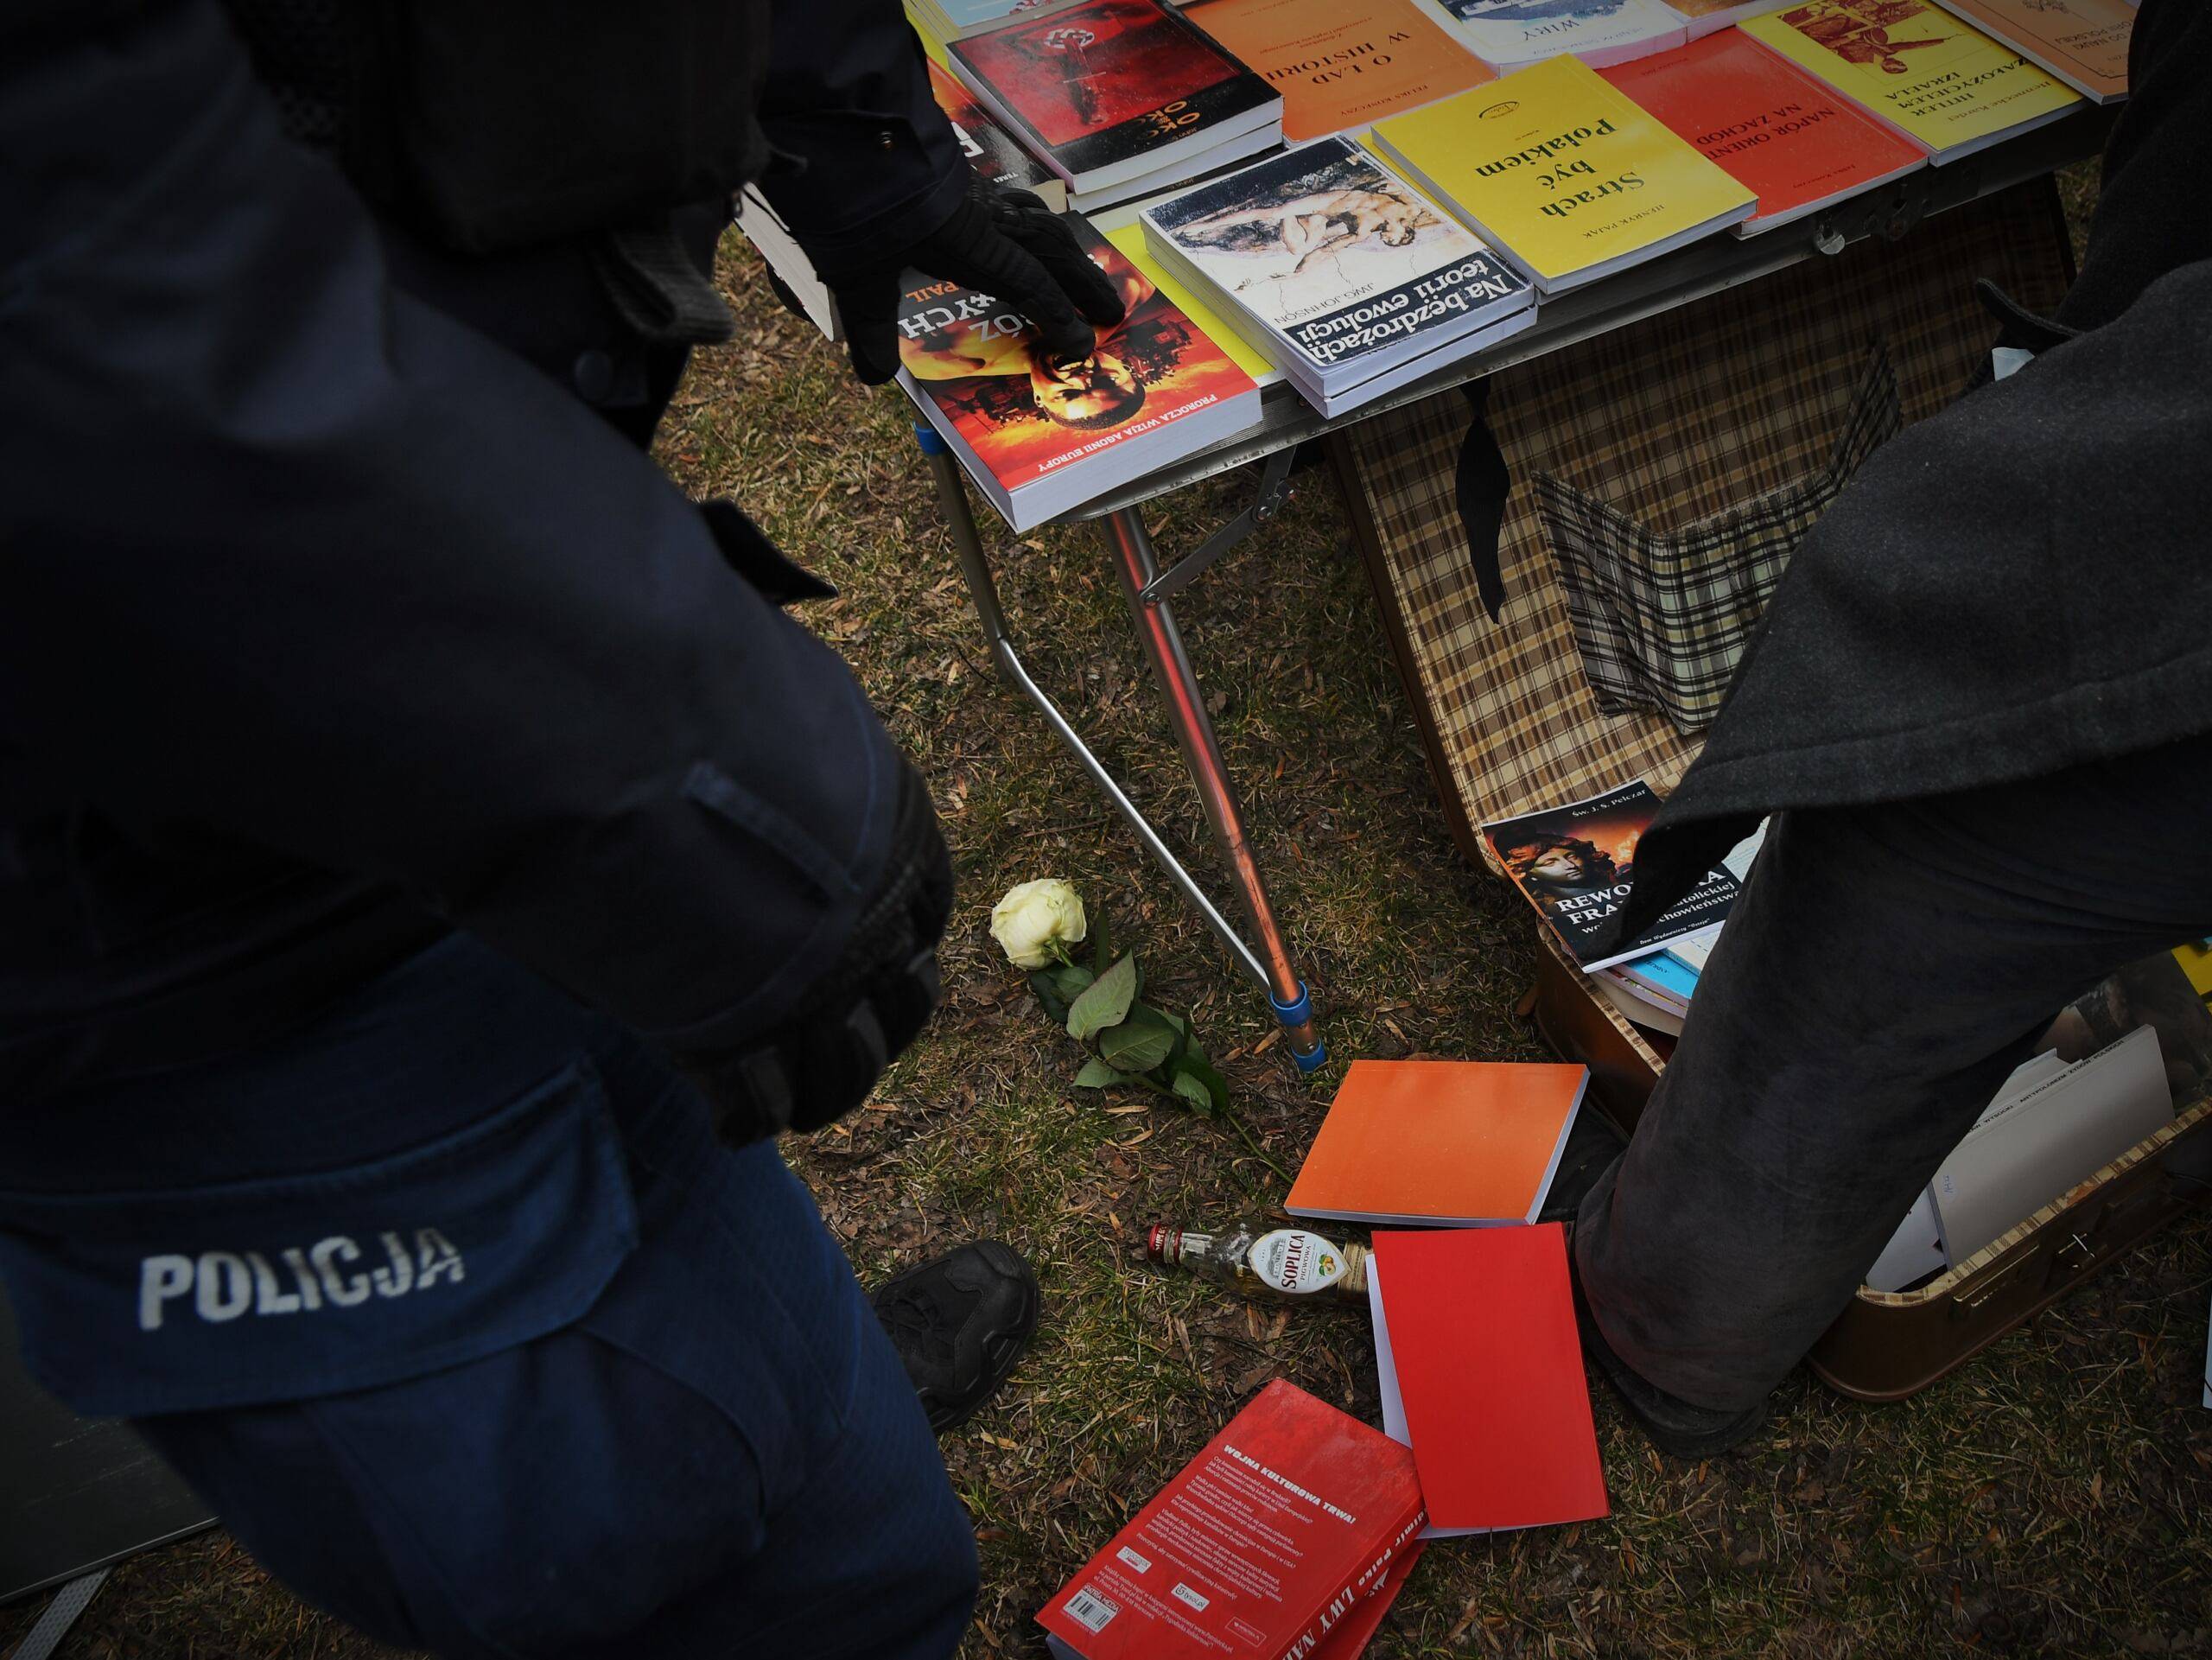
{"type": "Point", "coordinates": [1270, 967]}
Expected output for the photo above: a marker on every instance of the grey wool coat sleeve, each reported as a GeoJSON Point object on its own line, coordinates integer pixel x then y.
{"type": "Point", "coordinates": [293, 559]}
{"type": "Point", "coordinates": [2021, 582]}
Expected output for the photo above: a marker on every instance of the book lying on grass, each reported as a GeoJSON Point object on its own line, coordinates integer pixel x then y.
{"type": "Point", "coordinates": [1341, 64]}
{"type": "Point", "coordinates": [1710, 16]}
{"type": "Point", "coordinates": [1040, 436]}
{"type": "Point", "coordinates": [1267, 1545]}
{"type": "Point", "coordinates": [1452, 1143]}
{"type": "Point", "coordinates": [1481, 1373]}
{"type": "Point", "coordinates": [1513, 33]}
{"type": "Point", "coordinates": [1799, 144]}
{"type": "Point", "coordinates": [2083, 42]}
{"type": "Point", "coordinates": [1947, 86]}
{"type": "Point", "coordinates": [2030, 1146]}
{"type": "Point", "coordinates": [1563, 174]}
{"type": "Point", "coordinates": [1107, 92]}
{"type": "Point", "coordinates": [992, 151]}
{"type": "Point", "coordinates": [1337, 268]}
{"type": "Point", "coordinates": [1576, 863]}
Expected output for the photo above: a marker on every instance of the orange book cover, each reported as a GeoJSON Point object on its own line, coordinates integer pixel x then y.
{"type": "Point", "coordinates": [1459, 1143]}
{"type": "Point", "coordinates": [1342, 64]}
{"type": "Point", "coordinates": [2083, 42]}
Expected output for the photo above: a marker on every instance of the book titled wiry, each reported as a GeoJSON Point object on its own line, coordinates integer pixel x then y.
{"type": "Point", "coordinates": [2083, 42]}
{"type": "Point", "coordinates": [1341, 64]}
{"type": "Point", "coordinates": [1576, 864]}
{"type": "Point", "coordinates": [1108, 90]}
{"type": "Point", "coordinates": [991, 151]}
{"type": "Point", "coordinates": [1567, 175]}
{"type": "Point", "coordinates": [1040, 436]}
{"type": "Point", "coordinates": [1269, 1544]}
{"type": "Point", "coordinates": [1514, 34]}
{"type": "Point", "coordinates": [1944, 84]}
{"type": "Point", "coordinates": [1339, 268]}
{"type": "Point", "coordinates": [1799, 144]}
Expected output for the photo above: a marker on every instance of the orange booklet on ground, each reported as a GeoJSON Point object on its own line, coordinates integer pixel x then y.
{"type": "Point", "coordinates": [1446, 1143]}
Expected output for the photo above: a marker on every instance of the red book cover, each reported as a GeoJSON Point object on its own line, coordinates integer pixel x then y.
{"type": "Point", "coordinates": [1266, 1545]}
{"type": "Point", "coordinates": [1475, 1339]}
{"type": "Point", "coordinates": [1024, 417]}
{"type": "Point", "coordinates": [1097, 84]}
{"type": "Point", "coordinates": [1767, 125]}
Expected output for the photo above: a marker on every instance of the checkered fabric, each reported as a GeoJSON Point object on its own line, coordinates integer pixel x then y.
{"type": "Point", "coordinates": [1661, 618]}
{"type": "Point", "coordinates": [1673, 419]}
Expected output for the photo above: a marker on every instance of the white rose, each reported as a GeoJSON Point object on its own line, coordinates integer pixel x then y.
{"type": "Point", "coordinates": [1034, 914]}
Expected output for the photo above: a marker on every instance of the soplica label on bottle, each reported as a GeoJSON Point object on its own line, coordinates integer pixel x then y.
{"type": "Point", "coordinates": [1293, 1260]}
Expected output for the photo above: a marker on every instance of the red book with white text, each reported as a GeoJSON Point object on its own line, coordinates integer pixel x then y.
{"type": "Point", "coordinates": [1481, 1370]}
{"type": "Point", "coordinates": [1273, 1544]}
{"type": "Point", "coordinates": [1768, 124]}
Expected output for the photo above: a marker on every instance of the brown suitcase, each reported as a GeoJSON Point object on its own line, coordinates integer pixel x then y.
{"type": "Point", "coordinates": [1675, 417]}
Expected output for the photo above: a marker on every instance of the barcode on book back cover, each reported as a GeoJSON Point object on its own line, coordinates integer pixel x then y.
{"type": "Point", "coordinates": [1092, 1610]}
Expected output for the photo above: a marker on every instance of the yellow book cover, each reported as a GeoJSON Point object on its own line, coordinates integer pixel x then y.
{"type": "Point", "coordinates": [1341, 64]}
{"type": "Point", "coordinates": [1129, 239]}
{"type": "Point", "coordinates": [1566, 174]}
{"type": "Point", "coordinates": [1939, 81]}
{"type": "Point", "coordinates": [932, 47]}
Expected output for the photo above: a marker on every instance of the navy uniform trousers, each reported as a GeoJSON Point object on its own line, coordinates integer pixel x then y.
{"type": "Point", "coordinates": [452, 1308]}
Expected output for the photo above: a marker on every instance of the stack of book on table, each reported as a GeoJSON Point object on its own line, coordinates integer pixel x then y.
{"type": "Point", "coordinates": [1331, 265]}
{"type": "Point", "coordinates": [1120, 99]}
{"type": "Point", "coordinates": [1510, 35]}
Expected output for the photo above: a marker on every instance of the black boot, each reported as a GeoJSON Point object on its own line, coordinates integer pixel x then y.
{"type": "Point", "coordinates": [1592, 1145]}
{"type": "Point", "coordinates": [960, 1323]}
{"type": "Point", "coordinates": [1673, 1425]}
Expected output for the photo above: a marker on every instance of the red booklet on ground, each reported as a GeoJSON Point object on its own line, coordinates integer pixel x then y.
{"type": "Point", "coordinates": [1482, 1376]}
{"type": "Point", "coordinates": [1272, 1543]}
{"type": "Point", "coordinates": [1768, 125]}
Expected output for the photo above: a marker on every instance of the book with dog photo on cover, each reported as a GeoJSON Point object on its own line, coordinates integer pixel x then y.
{"type": "Point", "coordinates": [1040, 437]}
{"type": "Point", "coordinates": [1576, 863]}
{"type": "Point", "coordinates": [1105, 92]}
{"type": "Point", "coordinates": [1338, 269]}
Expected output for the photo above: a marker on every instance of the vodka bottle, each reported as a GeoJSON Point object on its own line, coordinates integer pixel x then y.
{"type": "Point", "coordinates": [1274, 1261]}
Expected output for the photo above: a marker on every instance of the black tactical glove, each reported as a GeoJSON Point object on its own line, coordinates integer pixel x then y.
{"type": "Point", "coordinates": [822, 1063]}
{"type": "Point", "coordinates": [1004, 243]}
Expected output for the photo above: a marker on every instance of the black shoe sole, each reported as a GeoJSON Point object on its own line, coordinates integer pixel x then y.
{"type": "Point", "coordinates": [1002, 1349]}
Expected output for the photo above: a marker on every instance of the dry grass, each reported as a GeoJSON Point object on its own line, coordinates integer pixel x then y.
{"type": "Point", "coordinates": [2051, 1500]}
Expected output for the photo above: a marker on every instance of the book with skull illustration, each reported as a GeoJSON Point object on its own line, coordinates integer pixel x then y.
{"type": "Point", "coordinates": [1339, 269]}
{"type": "Point", "coordinates": [1039, 435]}
{"type": "Point", "coordinates": [1108, 93]}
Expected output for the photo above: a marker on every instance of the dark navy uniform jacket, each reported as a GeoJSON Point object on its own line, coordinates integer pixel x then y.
{"type": "Point", "coordinates": [332, 617]}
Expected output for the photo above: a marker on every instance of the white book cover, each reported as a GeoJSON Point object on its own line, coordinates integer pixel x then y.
{"type": "Point", "coordinates": [1915, 1250]}
{"type": "Point", "coordinates": [1510, 35]}
{"type": "Point", "coordinates": [1337, 257]}
{"type": "Point", "coordinates": [2032, 1148]}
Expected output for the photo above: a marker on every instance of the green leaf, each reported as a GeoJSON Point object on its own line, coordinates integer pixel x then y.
{"type": "Point", "coordinates": [1193, 1088]}
{"type": "Point", "coordinates": [1146, 1014]}
{"type": "Point", "coordinates": [1055, 1005]}
{"type": "Point", "coordinates": [1195, 1066]}
{"type": "Point", "coordinates": [1102, 941]}
{"type": "Point", "coordinates": [1069, 981]}
{"type": "Point", "coordinates": [1136, 1045]}
{"type": "Point", "coordinates": [1096, 1075]}
{"type": "Point", "coordinates": [1104, 1002]}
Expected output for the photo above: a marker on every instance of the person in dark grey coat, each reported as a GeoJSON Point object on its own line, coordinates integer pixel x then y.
{"type": "Point", "coordinates": [1977, 708]}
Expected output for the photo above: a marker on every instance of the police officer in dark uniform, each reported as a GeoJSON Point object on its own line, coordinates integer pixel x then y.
{"type": "Point", "coordinates": [432, 869]}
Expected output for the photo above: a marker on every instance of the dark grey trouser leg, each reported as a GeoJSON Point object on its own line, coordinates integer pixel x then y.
{"type": "Point", "coordinates": [1886, 968]}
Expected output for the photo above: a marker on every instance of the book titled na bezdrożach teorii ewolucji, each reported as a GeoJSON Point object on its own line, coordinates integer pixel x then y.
{"type": "Point", "coordinates": [1040, 437]}
{"type": "Point", "coordinates": [1576, 863]}
{"type": "Point", "coordinates": [1109, 91]}
{"type": "Point", "coordinates": [1337, 268]}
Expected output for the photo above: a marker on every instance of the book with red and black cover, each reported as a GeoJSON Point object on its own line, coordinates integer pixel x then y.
{"type": "Point", "coordinates": [1575, 864]}
{"type": "Point", "coordinates": [1274, 1542]}
{"type": "Point", "coordinates": [991, 151]}
{"type": "Point", "coordinates": [1799, 144]}
{"type": "Point", "coordinates": [1040, 437]}
{"type": "Point", "coordinates": [1105, 92]}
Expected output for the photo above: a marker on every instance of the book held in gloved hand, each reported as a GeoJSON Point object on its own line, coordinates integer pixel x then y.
{"type": "Point", "coordinates": [1040, 436]}
{"type": "Point", "coordinates": [1285, 1538]}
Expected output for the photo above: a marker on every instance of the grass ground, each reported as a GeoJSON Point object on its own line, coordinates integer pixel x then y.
{"type": "Point", "coordinates": [2051, 1498]}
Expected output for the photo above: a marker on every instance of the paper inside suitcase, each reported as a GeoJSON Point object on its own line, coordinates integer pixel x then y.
{"type": "Point", "coordinates": [1672, 420]}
